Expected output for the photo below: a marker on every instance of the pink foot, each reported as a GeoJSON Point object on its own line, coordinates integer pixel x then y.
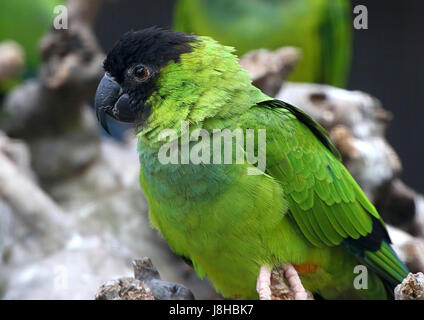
{"type": "Point", "coordinates": [295, 284]}
{"type": "Point", "coordinates": [263, 284]}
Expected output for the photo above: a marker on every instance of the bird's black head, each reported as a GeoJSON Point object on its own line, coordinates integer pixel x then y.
{"type": "Point", "coordinates": [132, 67]}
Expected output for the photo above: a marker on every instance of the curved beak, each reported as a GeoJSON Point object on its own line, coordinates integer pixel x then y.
{"type": "Point", "coordinates": [111, 100]}
{"type": "Point", "coordinates": [107, 94]}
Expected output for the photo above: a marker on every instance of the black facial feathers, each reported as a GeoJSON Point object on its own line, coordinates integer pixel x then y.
{"type": "Point", "coordinates": [132, 68]}
{"type": "Point", "coordinates": [151, 46]}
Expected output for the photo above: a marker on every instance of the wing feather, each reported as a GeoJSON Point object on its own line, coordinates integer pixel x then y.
{"type": "Point", "coordinates": [325, 201]}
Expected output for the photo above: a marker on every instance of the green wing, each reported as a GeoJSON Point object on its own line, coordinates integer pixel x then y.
{"type": "Point", "coordinates": [325, 201]}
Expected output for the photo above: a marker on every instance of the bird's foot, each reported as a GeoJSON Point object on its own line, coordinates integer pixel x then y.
{"type": "Point", "coordinates": [263, 284]}
{"type": "Point", "coordinates": [295, 284]}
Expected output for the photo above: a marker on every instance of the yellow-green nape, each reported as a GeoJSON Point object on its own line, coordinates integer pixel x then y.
{"type": "Point", "coordinates": [204, 83]}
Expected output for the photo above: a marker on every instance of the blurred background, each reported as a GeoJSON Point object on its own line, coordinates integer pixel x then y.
{"type": "Point", "coordinates": [72, 215]}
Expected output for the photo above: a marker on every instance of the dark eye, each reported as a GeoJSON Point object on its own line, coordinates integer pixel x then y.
{"type": "Point", "coordinates": [141, 72]}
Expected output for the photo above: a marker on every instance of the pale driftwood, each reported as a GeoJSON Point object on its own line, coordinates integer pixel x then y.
{"type": "Point", "coordinates": [146, 285]}
{"type": "Point", "coordinates": [145, 271]}
{"type": "Point", "coordinates": [410, 249]}
{"type": "Point", "coordinates": [124, 289]}
{"type": "Point", "coordinates": [44, 220]}
{"type": "Point", "coordinates": [411, 288]}
{"type": "Point", "coordinates": [268, 69]}
{"type": "Point", "coordinates": [18, 188]}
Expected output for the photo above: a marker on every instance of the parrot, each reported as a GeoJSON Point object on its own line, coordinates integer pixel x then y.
{"type": "Point", "coordinates": [235, 221]}
{"type": "Point", "coordinates": [320, 28]}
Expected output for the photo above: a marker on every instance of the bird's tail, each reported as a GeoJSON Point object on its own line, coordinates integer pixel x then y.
{"type": "Point", "coordinates": [387, 265]}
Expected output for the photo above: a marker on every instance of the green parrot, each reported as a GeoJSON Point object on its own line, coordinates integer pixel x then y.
{"type": "Point", "coordinates": [233, 220]}
{"type": "Point", "coordinates": [321, 28]}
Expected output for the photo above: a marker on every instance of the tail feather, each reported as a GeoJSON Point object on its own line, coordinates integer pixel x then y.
{"type": "Point", "coordinates": [387, 264]}
{"type": "Point", "coordinates": [374, 250]}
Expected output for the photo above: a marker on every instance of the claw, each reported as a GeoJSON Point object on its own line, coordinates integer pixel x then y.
{"type": "Point", "coordinates": [263, 284]}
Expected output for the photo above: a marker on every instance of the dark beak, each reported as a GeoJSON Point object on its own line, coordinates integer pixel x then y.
{"type": "Point", "coordinates": [110, 100]}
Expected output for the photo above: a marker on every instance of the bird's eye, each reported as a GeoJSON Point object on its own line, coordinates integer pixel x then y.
{"type": "Point", "coordinates": [141, 72]}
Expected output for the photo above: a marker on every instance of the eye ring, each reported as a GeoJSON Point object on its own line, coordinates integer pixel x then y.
{"type": "Point", "coordinates": [141, 72]}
